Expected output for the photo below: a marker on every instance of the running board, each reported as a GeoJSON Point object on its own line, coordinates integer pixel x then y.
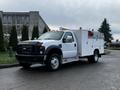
{"type": "Point", "coordinates": [68, 60]}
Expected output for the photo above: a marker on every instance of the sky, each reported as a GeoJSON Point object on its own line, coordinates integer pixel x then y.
{"type": "Point", "coordinates": [72, 14]}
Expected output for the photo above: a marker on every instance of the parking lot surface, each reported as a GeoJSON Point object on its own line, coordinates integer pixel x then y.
{"type": "Point", "coordinates": [104, 75]}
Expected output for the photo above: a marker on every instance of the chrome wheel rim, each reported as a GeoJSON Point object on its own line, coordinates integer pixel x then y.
{"type": "Point", "coordinates": [96, 57]}
{"type": "Point", "coordinates": [54, 63]}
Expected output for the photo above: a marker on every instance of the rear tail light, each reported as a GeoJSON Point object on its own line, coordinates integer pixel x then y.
{"type": "Point", "coordinates": [90, 34]}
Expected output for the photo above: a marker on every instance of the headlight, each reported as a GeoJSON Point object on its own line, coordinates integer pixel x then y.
{"type": "Point", "coordinates": [39, 44]}
{"type": "Point", "coordinates": [41, 52]}
{"type": "Point", "coordinates": [39, 48]}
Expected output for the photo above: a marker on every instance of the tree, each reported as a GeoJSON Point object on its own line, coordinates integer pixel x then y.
{"type": "Point", "coordinates": [25, 33]}
{"type": "Point", "coordinates": [2, 48]}
{"type": "Point", "coordinates": [35, 32]}
{"type": "Point", "coordinates": [13, 38]}
{"type": "Point", "coordinates": [45, 30]}
{"type": "Point", "coordinates": [105, 29]}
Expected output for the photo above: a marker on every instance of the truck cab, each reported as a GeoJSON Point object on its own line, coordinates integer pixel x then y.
{"type": "Point", "coordinates": [56, 48]}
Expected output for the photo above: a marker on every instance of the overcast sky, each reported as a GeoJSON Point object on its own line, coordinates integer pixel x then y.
{"type": "Point", "coordinates": [87, 14]}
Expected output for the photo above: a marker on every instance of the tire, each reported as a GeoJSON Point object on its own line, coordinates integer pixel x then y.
{"type": "Point", "coordinates": [94, 58]}
{"type": "Point", "coordinates": [25, 65]}
{"type": "Point", "coordinates": [53, 62]}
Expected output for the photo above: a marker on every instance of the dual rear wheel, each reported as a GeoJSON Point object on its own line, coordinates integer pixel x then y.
{"type": "Point", "coordinates": [94, 58]}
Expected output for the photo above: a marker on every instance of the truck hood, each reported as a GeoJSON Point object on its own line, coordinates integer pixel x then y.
{"type": "Point", "coordinates": [36, 41]}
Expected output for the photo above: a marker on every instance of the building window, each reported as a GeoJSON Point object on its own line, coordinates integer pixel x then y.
{"type": "Point", "coordinates": [27, 20]}
{"type": "Point", "coordinates": [18, 29]}
{"type": "Point", "coordinates": [4, 20]}
{"type": "Point", "coordinates": [13, 19]}
{"type": "Point", "coordinates": [18, 20]}
{"type": "Point", "coordinates": [9, 20]}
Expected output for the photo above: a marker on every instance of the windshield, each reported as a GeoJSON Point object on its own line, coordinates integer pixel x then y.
{"type": "Point", "coordinates": [54, 35]}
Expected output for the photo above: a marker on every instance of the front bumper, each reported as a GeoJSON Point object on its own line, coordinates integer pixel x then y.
{"type": "Point", "coordinates": [30, 58]}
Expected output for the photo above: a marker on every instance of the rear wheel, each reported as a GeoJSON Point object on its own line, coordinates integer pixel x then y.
{"type": "Point", "coordinates": [53, 63]}
{"type": "Point", "coordinates": [94, 58]}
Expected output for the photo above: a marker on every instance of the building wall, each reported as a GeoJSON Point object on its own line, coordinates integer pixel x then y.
{"type": "Point", "coordinates": [19, 19]}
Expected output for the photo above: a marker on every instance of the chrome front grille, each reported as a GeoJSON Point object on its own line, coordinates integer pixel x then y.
{"type": "Point", "coordinates": [25, 49]}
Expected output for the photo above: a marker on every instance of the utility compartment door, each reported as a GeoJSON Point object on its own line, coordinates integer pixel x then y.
{"type": "Point", "coordinates": [69, 46]}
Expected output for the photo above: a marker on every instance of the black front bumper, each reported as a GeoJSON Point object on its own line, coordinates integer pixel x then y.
{"type": "Point", "coordinates": [30, 58]}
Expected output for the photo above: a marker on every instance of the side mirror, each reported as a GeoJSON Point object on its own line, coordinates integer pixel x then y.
{"type": "Point", "coordinates": [68, 39]}
{"type": "Point", "coordinates": [64, 40]}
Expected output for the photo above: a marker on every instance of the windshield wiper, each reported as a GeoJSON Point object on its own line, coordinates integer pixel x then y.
{"type": "Point", "coordinates": [48, 39]}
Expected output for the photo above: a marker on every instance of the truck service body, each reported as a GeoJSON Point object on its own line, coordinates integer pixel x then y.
{"type": "Point", "coordinates": [58, 47]}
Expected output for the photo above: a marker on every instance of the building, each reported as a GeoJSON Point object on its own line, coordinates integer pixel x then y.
{"type": "Point", "coordinates": [19, 19]}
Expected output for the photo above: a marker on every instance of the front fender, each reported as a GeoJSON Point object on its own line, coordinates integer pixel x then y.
{"type": "Point", "coordinates": [53, 47]}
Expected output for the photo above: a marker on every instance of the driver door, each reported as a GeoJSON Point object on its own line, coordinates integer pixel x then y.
{"type": "Point", "coordinates": [69, 46]}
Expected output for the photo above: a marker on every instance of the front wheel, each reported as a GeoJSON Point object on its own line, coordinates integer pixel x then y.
{"type": "Point", "coordinates": [53, 63]}
{"type": "Point", "coordinates": [94, 58]}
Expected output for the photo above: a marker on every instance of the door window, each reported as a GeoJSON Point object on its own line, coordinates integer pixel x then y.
{"type": "Point", "coordinates": [68, 37]}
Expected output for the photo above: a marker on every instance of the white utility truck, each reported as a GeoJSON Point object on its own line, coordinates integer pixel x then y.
{"type": "Point", "coordinates": [59, 47]}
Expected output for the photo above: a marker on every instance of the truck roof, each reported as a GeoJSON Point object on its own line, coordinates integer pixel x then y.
{"type": "Point", "coordinates": [77, 30]}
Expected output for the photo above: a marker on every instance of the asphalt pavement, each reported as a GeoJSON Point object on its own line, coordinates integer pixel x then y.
{"type": "Point", "coordinates": [104, 75]}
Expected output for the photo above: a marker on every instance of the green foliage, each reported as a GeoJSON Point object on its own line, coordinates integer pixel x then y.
{"type": "Point", "coordinates": [105, 29]}
{"type": "Point", "coordinates": [2, 48]}
{"type": "Point", "coordinates": [13, 38]}
{"type": "Point", "coordinates": [35, 32]}
{"type": "Point", "coordinates": [45, 30]}
{"type": "Point", "coordinates": [25, 33]}
{"type": "Point", "coordinates": [6, 59]}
